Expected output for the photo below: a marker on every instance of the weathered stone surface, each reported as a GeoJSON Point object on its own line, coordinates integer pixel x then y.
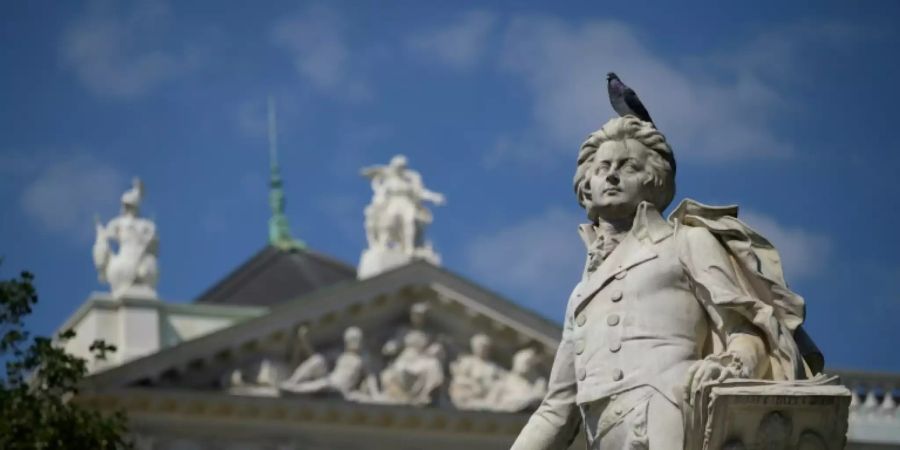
{"type": "Point", "coordinates": [810, 414]}
{"type": "Point", "coordinates": [665, 308]}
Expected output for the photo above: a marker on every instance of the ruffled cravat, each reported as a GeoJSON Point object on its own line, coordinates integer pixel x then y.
{"type": "Point", "coordinates": [601, 248]}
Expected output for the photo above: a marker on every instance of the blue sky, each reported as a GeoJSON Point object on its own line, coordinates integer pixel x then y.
{"type": "Point", "coordinates": [788, 111]}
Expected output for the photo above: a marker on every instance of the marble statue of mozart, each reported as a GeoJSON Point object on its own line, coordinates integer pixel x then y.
{"type": "Point", "coordinates": [664, 307]}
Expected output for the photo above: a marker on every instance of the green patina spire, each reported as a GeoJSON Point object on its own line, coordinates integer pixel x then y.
{"type": "Point", "coordinates": [279, 230]}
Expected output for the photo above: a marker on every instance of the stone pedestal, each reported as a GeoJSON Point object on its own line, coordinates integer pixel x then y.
{"type": "Point", "coordinates": [376, 260]}
{"type": "Point", "coordinates": [753, 414]}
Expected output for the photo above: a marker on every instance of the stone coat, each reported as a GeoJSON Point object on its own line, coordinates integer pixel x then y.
{"type": "Point", "coordinates": [651, 309]}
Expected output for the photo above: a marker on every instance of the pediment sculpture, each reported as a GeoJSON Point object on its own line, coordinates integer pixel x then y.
{"type": "Point", "coordinates": [478, 383]}
{"type": "Point", "coordinates": [414, 375]}
{"type": "Point", "coordinates": [474, 375]}
{"type": "Point", "coordinates": [351, 376]}
{"type": "Point", "coordinates": [414, 371]}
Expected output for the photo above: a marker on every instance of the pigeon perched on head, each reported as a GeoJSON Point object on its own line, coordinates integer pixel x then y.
{"type": "Point", "coordinates": [624, 100]}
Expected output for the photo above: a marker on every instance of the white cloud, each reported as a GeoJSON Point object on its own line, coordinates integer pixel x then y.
{"type": "Point", "coordinates": [315, 38]}
{"type": "Point", "coordinates": [538, 259]}
{"type": "Point", "coordinates": [565, 66]}
{"type": "Point", "coordinates": [460, 45]}
{"type": "Point", "coordinates": [804, 253]}
{"type": "Point", "coordinates": [345, 212]}
{"type": "Point", "coordinates": [716, 107]}
{"type": "Point", "coordinates": [120, 54]}
{"type": "Point", "coordinates": [777, 53]}
{"type": "Point", "coordinates": [251, 117]}
{"type": "Point", "coordinates": [66, 195]}
{"type": "Point", "coordinates": [361, 148]}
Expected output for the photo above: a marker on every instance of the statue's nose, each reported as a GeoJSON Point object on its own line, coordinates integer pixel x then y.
{"type": "Point", "coordinates": [612, 178]}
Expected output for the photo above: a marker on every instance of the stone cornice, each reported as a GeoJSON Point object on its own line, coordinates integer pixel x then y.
{"type": "Point", "coordinates": [180, 405]}
{"type": "Point", "coordinates": [106, 302]}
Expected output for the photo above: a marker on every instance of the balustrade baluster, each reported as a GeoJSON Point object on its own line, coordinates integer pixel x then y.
{"type": "Point", "coordinates": [888, 404]}
{"type": "Point", "coordinates": [870, 406]}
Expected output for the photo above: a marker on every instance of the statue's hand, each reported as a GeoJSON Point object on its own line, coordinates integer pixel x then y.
{"type": "Point", "coordinates": [713, 369]}
{"type": "Point", "coordinates": [390, 348]}
{"type": "Point", "coordinates": [98, 225]}
{"type": "Point", "coordinates": [439, 199]}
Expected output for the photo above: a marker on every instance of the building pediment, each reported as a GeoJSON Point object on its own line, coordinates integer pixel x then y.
{"type": "Point", "coordinates": [256, 357]}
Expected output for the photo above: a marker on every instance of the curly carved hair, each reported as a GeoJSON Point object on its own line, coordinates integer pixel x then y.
{"type": "Point", "coordinates": [660, 161]}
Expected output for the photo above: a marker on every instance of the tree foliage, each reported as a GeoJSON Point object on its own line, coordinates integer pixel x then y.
{"type": "Point", "coordinates": [41, 379]}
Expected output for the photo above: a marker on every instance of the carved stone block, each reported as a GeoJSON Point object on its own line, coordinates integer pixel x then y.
{"type": "Point", "coordinates": [753, 414]}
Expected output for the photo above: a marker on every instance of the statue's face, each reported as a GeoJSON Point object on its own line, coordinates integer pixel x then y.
{"type": "Point", "coordinates": [522, 364]}
{"type": "Point", "coordinates": [353, 341]}
{"type": "Point", "coordinates": [415, 340]}
{"type": "Point", "coordinates": [618, 180]}
{"type": "Point", "coordinates": [417, 315]}
{"type": "Point", "coordinates": [129, 209]}
{"type": "Point", "coordinates": [481, 348]}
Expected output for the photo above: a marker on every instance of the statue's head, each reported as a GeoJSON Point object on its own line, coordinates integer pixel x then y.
{"type": "Point", "coordinates": [415, 340]}
{"type": "Point", "coordinates": [481, 345]}
{"type": "Point", "coordinates": [353, 339]}
{"type": "Point", "coordinates": [131, 199]}
{"type": "Point", "coordinates": [621, 165]}
{"type": "Point", "coordinates": [524, 361]}
{"type": "Point", "coordinates": [417, 314]}
{"type": "Point", "coordinates": [398, 162]}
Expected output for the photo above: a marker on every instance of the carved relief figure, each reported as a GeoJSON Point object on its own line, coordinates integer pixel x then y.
{"type": "Point", "coordinates": [396, 218]}
{"type": "Point", "coordinates": [518, 389]}
{"type": "Point", "coordinates": [261, 378]}
{"type": "Point", "coordinates": [473, 376]}
{"type": "Point", "coordinates": [132, 270]}
{"type": "Point", "coordinates": [414, 375]}
{"type": "Point", "coordinates": [663, 307]}
{"type": "Point", "coordinates": [310, 365]}
{"type": "Point", "coordinates": [417, 317]}
{"type": "Point", "coordinates": [349, 377]}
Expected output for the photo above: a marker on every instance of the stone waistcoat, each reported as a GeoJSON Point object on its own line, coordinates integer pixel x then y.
{"type": "Point", "coordinates": [634, 321]}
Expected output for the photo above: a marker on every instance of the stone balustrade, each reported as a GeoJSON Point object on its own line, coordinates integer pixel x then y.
{"type": "Point", "coordinates": [874, 413]}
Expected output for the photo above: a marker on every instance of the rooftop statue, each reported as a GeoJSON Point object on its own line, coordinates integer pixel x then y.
{"type": "Point", "coordinates": [664, 307]}
{"type": "Point", "coordinates": [397, 217]}
{"type": "Point", "coordinates": [132, 271]}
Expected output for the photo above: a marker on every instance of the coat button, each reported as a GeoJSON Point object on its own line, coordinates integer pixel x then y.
{"type": "Point", "coordinates": [579, 346]}
{"type": "Point", "coordinates": [615, 346]}
{"type": "Point", "coordinates": [620, 275]}
{"type": "Point", "coordinates": [616, 296]}
{"type": "Point", "coordinates": [617, 374]}
{"type": "Point", "coordinates": [581, 374]}
{"type": "Point", "coordinates": [612, 320]}
{"type": "Point", "coordinates": [580, 319]}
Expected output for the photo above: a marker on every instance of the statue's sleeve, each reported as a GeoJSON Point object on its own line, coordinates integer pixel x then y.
{"type": "Point", "coordinates": [556, 422]}
{"type": "Point", "coordinates": [737, 317]}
